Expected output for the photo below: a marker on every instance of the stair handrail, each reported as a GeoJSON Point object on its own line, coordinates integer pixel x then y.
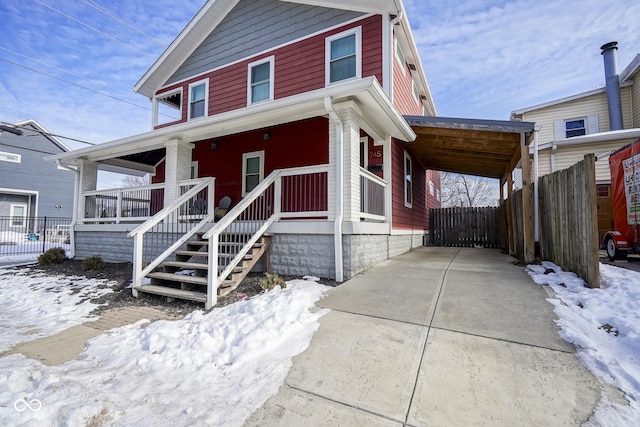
{"type": "Point", "coordinates": [138, 232]}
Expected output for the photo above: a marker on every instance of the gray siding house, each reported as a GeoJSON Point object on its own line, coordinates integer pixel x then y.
{"type": "Point", "coordinates": [29, 186]}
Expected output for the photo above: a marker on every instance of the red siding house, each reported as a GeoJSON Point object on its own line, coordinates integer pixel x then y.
{"type": "Point", "coordinates": [291, 111]}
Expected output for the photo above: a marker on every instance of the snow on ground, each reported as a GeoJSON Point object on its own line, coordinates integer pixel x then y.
{"type": "Point", "coordinates": [604, 325]}
{"type": "Point", "coordinates": [211, 368]}
{"type": "Point", "coordinates": [34, 305]}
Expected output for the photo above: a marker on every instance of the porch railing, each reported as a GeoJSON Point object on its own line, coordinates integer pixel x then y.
{"type": "Point", "coordinates": [279, 195]}
{"type": "Point", "coordinates": [372, 196]}
{"type": "Point", "coordinates": [170, 228]}
{"type": "Point", "coordinates": [131, 204]}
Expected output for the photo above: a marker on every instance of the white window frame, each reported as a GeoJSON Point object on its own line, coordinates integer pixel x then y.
{"type": "Point", "coordinates": [5, 157]}
{"type": "Point", "coordinates": [585, 124]}
{"type": "Point", "coordinates": [245, 156]}
{"type": "Point", "coordinates": [399, 54]}
{"type": "Point", "coordinates": [206, 98]}
{"type": "Point", "coordinates": [327, 51]}
{"type": "Point", "coordinates": [432, 188]}
{"type": "Point", "coordinates": [157, 102]}
{"type": "Point", "coordinates": [12, 214]}
{"type": "Point", "coordinates": [271, 61]}
{"type": "Point", "coordinates": [408, 182]}
{"type": "Point", "coordinates": [194, 169]}
{"type": "Point", "coordinates": [416, 93]}
{"type": "Point", "coordinates": [438, 194]}
{"type": "Point", "coordinates": [364, 146]}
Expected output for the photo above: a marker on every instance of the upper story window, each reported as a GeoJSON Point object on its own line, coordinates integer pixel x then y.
{"type": "Point", "coordinates": [252, 170]}
{"type": "Point", "coordinates": [10, 157]}
{"type": "Point", "coordinates": [198, 99]}
{"type": "Point", "coordinates": [408, 180]}
{"type": "Point", "coordinates": [400, 57]}
{"type": "Point", "coordinates": [343, 56]}
{"type": "Point", "coordinates": [260, 82]}
{"type": "Point", "coordinates": [169, 107]}
{"type": "Point", "coordinates": [575, 127]}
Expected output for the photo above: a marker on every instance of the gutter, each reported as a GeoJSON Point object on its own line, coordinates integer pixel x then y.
{"type": "Point", "coordinates": [74, 218]}
{"type": "Point", "coordinates": [337, 227]}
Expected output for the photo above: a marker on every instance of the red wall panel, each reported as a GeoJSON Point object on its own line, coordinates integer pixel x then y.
{"type": "Point", "coordinates": [299, 68]}
{"type": "Point", "coordinates": [303, 143]}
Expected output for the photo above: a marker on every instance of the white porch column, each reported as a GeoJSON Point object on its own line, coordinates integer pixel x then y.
{"type": "Point", "coordinates": [177, 167]}
{"type": "Point", "coordinates": [351, 162]}
{"type": "Point", "coordinates": [88, 176]}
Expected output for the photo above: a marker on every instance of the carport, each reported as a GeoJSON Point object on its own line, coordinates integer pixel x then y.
{"type": "Point", "coordinates": [487, 148]}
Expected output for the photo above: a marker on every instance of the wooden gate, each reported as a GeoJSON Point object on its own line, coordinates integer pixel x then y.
{"type": "Point", "coordinates": [465, 227]}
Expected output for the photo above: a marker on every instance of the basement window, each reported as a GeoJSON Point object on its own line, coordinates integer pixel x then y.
{"type": "Point", "coordinates": [575, 127]}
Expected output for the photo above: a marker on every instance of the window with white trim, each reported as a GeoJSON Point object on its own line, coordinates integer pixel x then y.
{"type": "Point", "coordinates": [408, 180]}
{"type": "Point", "coordinates": [252, 170]}
{"type": "Point", "coordinates": [364, 152]}
{"type": "Point", "coordinates": [432, 188]}
{"type": "Point", "coordinates": [18, 214]}
{"type": "Point", "coordinates": [194, 169]}
{"type": "Point", "coordinates": [401, 58]}
{"type": "Point", "coordinates": [198, 94]}
{"type": "Point", "coordinates": [343, 53]}
{"type": "Point", "coordinates": [438, 194]}
{"type": "Point", "coordinates": [10, 157]}
{"type": "Point", "coordinates": [575, 127]}
{"type": "Point", "coordinates": [260, 81]}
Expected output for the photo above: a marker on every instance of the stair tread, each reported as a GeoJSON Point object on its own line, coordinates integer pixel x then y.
{"type": "Point", "coordinates": [197, 242]}
{"type": "Point", "coordinates": [186, 264]}
{"type": "Point", "coordinates": [192, 253]}
{"type": "Point", "coordinates": [172, 292]}
{"type": "Point", "coordinates": [178, 278]}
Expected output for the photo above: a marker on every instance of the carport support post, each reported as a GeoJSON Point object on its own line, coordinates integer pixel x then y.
{"type": "Point", "coordinates": [527, 202]}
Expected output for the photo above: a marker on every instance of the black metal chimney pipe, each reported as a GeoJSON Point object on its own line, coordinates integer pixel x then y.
{"type": "Point", "coordinates": [613, 85]}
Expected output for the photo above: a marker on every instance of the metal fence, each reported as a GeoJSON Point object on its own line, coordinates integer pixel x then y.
{"type": "Point", "coordinates": [32, 235]}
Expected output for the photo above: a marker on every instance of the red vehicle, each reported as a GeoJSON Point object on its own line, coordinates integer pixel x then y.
{"type": "Point", "coordinates": [625, 201]}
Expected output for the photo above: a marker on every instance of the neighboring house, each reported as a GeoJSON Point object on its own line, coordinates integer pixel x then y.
{"type": "Point", "coordinates": [29, 186]}
{"type": "Point", "coordinates": [599, 121]}
{"type": "Point", "coordinates": [296, 109]}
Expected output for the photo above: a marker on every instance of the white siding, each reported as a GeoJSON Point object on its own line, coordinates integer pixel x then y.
{"type": "Point", "coordinates": [570, 155]}
{"type": "Point", "coordinates": [591, 105]}
{"type": "Point", "coordinates": [635, 102]}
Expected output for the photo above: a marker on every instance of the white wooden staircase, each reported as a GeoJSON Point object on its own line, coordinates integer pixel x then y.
{"type": "Point", "coordinates": [185, 277]}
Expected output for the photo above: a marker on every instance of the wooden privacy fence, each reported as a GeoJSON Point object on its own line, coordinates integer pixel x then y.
{"type": "Point", "coordinates": [569, 220]}
{"type": "Point", "coordinates": [465, 227]}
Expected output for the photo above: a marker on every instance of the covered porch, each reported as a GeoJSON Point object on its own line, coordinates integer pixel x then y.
{"type": "Point", "coordinates": [315, 213]}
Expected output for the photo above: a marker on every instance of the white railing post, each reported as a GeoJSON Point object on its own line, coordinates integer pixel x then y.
{"type": "Point", "coordinates": [137, 263]}
{"type": "Point", "coordinates": [277, 197]}
{"type": "Point", "coordinates": [118, 205]}
{"type": "Point", "coordinates": [212, 277]}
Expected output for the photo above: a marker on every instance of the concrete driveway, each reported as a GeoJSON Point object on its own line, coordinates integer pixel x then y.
{"type": "Point", "coordinates": [436, 337]}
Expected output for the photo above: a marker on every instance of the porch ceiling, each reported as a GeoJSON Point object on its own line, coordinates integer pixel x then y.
{"type": "Point", "coordinates": [488, 148]}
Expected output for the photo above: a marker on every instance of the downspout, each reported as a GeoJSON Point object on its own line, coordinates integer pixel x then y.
{"type": "Point", "coordinates": [536, 214]}
{"type": "Point", "coordinates": [554, 148]}
{"type": "Point", "coordinates": [337, 225]}
{"type": "Point", "coordinates": [74, 218]}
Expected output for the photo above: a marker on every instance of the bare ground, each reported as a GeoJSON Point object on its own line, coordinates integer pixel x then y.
{"type": "Point", "coordinates": [121, 273]}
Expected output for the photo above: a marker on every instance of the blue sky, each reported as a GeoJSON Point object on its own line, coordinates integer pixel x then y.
{"type": "Point", "coordinates": [483, 59]}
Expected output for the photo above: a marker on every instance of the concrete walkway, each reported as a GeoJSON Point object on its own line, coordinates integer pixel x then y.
{"type": "Point", "coordinates": [436, 337]}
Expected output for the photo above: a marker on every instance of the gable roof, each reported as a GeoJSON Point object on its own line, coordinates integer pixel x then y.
{"type": "Point", "coordinates": [625, 78]}
{"type": "Point", "coordinates": [214, 11]}
{"type": "Point", "coordinates": [34, 126]}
